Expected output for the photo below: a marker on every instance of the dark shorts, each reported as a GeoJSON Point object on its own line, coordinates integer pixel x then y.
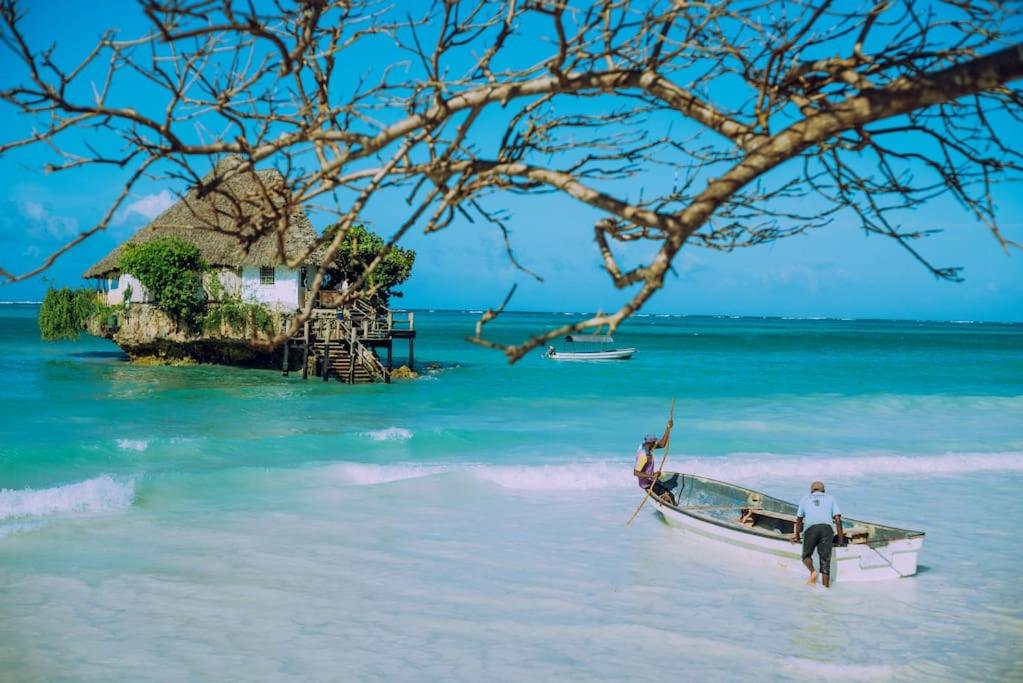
{"type": "Point", "coordinates": [818, 537]}
{"type": "Point", "coordinates": [665, 486]}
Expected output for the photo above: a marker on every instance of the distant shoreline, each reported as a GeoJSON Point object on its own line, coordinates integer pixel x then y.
{"type": "Point", "coordinates": [640, 316]}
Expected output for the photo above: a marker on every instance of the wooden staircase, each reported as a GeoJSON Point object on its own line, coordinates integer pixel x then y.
{"type": "Point", "coordinates": [339, 365]}
{"type": "Point", "coordinates": [343, 342]}
{"type": "Point", "coordinates": [340, 355]}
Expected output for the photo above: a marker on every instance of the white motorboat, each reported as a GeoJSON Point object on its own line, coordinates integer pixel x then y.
{"type": "Point", "coordinates": [589, 347]}
{"type": "Point", "coordinates": [762, 526]}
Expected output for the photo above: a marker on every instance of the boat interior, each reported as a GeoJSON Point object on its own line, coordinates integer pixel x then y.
{"type": "Point", "coordinates": [755, 512]}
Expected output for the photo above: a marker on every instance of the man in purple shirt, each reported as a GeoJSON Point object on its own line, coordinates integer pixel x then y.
{"type": "Point", "coordinates": [644, 468]}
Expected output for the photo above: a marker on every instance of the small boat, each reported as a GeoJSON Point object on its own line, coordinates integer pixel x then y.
{"type": "Point", "coordinates": [763, 526]}
{"type": "Point", "coordinates": [590, 347]}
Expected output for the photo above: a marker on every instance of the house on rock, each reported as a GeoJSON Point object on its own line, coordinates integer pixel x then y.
{"type": "Point", "coordinates": [259, 249]}
{"type": "Point", "coordinates": [235, 227]}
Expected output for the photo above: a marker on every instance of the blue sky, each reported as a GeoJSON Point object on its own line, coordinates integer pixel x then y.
{"type": "Point", "coordinates": [837, 271]}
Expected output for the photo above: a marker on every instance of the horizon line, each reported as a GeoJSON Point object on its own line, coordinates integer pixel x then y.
{"type": "Point", "coordinates": [716, 316]}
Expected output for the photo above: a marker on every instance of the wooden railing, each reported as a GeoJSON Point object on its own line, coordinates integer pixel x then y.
{"type": "Point", "coordinates": [401, 320]}
{"type": "Point", "coordinates": [334, 331]}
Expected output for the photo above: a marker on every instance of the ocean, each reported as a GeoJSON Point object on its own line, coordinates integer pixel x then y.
{"type": "Point", "coordinates": [214, 524]}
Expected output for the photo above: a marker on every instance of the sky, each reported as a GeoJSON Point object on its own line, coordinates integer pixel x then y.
{"type": "Point", "coordinates": [837, 271]}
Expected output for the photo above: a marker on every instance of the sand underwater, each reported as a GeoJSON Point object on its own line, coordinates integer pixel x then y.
{"type": "Point", "coordinates": [210, 523]}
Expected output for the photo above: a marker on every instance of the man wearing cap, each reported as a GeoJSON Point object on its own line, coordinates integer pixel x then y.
{"type": "Point", "coordinates": [817, 511]}
{"type": "Point", "coordinates": [644, 470]}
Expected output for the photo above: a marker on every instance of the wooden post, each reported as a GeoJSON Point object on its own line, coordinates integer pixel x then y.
{"type": "Point", "coordinates": [351, 357]}
{"type": "Point", "coordinates": [387, 377]}
{"type": "Point", "coordinates": [327, 324]}
{"type": "Point", "coordinates": [284, 356]}
{"type": "Point", "coordinates": [411, 320]}
{"type": "Point", "coordinates": [305, 351]}
{"type": "Point", "coordinates": [411, 354]}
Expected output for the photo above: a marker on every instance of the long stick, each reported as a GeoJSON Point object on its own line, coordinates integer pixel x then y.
{"type": "Point", "coordinates": [667, 447]}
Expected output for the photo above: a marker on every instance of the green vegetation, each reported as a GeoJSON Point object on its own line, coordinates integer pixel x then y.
{"type": "Point", "coordinates": [171, 270]}
{"type": "Point", "coordinates": [108, 315]}
{"type": "Point", "coordinates": [237, 315]}
{"type": "Point", "coordinates": [65, 311]}
{"type": "Point", "coordinates": [354, 255]}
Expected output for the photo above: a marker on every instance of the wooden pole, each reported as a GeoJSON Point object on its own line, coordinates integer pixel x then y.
{"type": "Point", "coordinates": [390, 345]}
{"type": "Point", "coordinates": [305, 351]}
{"type": "Point", "coordinates": [284, 358]}
{"type": "Point", "coordinates": [351, 356]}
{"type": "Point", "coordinates": [327, 327]}
{"type": "Point", "coordinates": [667, 446]}
{"type": "Point", "coordinates": [411, 354]}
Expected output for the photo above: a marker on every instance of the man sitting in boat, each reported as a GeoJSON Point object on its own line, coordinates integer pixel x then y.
{"type": "Point", "coordinates": [817, 511]}
{"type": "Point", "coordinates": [644, 469]}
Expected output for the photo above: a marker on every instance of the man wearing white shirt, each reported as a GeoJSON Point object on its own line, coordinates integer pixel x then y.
{"type": "Point", "coordinates": [817, 512]}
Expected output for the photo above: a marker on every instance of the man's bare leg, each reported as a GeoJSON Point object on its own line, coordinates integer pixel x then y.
{"type": "Point", "coordinates": [808, 562]}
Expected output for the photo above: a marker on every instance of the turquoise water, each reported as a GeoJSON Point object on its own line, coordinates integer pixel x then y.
{"type": "Point", "coordinates": [215, 524]}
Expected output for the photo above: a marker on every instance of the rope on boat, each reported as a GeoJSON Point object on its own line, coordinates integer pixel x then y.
{"type": "Point", "coordinates": [887, 562]}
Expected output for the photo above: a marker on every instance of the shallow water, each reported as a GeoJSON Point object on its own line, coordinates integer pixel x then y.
{"type": "Point", "coordinates": [214, 523]}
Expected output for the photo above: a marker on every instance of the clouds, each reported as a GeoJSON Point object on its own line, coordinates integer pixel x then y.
{"type": "Point", "coordinates": [808, 277]}
{"type": "Point", "coordinates": [40, 223]}
{"type": "Point", "coordinates": [146, 207]}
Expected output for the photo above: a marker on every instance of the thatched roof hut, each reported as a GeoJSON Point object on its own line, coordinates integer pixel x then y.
{"type": "Point", "coordinates": [233, 223]}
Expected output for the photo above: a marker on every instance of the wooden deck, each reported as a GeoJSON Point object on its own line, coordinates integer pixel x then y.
{"type": "Point", "coordinates": [347, 343]}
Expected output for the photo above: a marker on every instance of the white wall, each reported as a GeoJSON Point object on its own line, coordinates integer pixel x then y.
{"type": "Point", "coordinates": [282, 295]}
{"type": "Point", "coordinates": [230, 281]}
{"type": "Point", "coordinates": [118, 288]}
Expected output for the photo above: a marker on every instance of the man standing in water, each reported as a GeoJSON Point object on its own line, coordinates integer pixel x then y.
{"type": "Point", "coordinates": [817, 511]}
{"type": "Point", "coordinates": [644, 469]}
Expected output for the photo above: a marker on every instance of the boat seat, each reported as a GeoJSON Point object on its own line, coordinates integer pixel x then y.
{"type": "Point", "coordinates": [769, 520]}
{"type": "Point", "coordinates": [760, 512]}
{"type": "Point", "coordinates": [855, 533]}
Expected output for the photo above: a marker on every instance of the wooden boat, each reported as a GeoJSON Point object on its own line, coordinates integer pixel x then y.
{"type": "Point", "coordinates": [762, 526]}
{"type": "Point", "coordinates": [590, 347]}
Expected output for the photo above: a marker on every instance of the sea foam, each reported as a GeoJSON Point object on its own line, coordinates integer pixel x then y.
{"type": "Point", "coordinates": [567, 477]}
{"type": "Point", "coordinates": [758, 467]}
{"type": "Point", "coordinates": [747, 468]}
{"type": "Point", "coordinates": [389, 434]}
{"type": "Point", "coordinates": [92, 495]}
{"type": "Point", "coordinates": [359, 474]}
{"type": "Point", "coordinates": [738, 468]}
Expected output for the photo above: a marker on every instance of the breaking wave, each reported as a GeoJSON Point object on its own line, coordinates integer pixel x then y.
{"type": "Point", "coordinates": [568, 477]}
{"type": "Point", "coordinates": [92, 495]}
{"type": "Point", "coordinates": [389, 434]}
{"type": "Point", "coordinates": [750, 467]}
{"type": "Point", "coordinates": [132, 444]}
{"type": "Point", "coordinates": [358, 474]}
{"type": "Point", "coordinates": [739, 468]}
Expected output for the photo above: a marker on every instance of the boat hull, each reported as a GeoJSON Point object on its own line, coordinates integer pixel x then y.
{"type": "Point", "coordinates": [617, 354]}
{"type": "Point", "coordinates": [873, 561]}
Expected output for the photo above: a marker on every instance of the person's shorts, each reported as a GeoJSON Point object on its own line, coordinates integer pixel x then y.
{"type": "Point", "coordinates": [665, 486]}
{"type": "Point", "coordinates": [819, 538]}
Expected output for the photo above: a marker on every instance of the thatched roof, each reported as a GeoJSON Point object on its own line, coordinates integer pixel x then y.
{"type": "Point", "coordinates": [232, 222]}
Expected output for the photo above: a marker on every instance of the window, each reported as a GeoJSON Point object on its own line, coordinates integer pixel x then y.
{"type": "Point", "coordinates": [266, 275]}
